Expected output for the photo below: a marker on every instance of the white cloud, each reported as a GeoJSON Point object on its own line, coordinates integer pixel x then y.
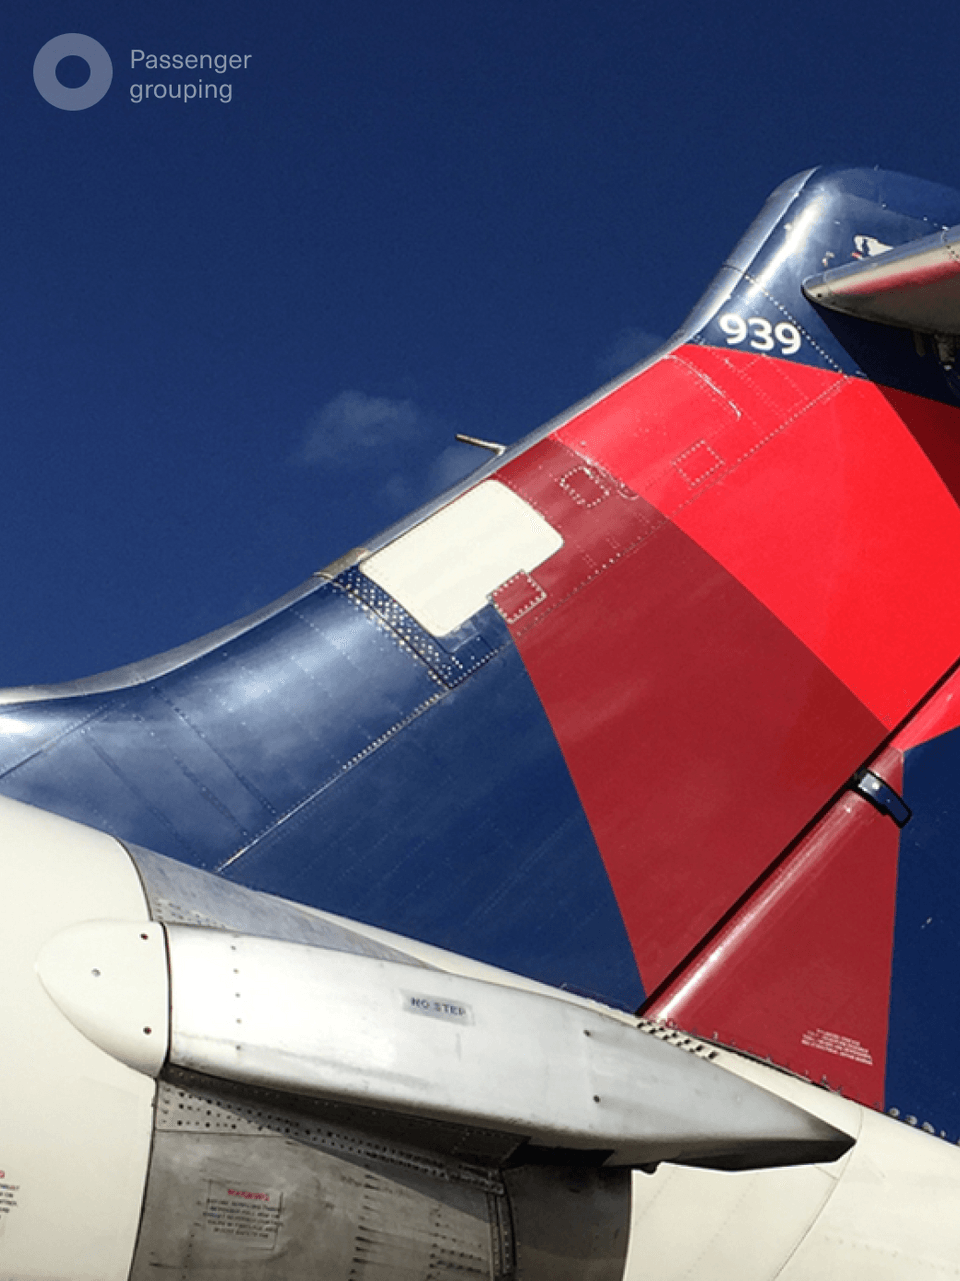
{"type": "Point", "coordinates": [351, 425]}
{"type": "Point", "coordinates": [393, 442]}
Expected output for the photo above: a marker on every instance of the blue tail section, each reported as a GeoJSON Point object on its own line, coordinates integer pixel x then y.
{"type": "Point", "coordinates": [339, 755]}
{"type": "Point", "coordinates": [816, 221]}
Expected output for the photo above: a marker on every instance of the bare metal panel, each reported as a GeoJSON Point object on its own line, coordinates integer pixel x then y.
{"type": "Point", "coordinates": [182, 895]}
{"type": "Point", "coordinates": [240, 1189]}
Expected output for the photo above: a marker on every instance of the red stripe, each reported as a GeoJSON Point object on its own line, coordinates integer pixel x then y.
{"type": "Point", "coordinates": [809, 489]}
{"type": "Point", "coordinates": [756, 579]}
{"type": "Point", "coordinates": [700, 733]}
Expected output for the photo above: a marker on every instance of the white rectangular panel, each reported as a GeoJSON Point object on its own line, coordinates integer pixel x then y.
{"type": "Point", "coordinates": [443, 571]}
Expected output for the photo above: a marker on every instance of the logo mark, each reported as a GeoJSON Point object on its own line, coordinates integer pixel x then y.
{"type": "Point", "coordinates": [76, 46]}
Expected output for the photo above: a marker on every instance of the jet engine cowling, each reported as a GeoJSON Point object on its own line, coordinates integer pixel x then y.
{"type": "Point", "coordinates": [202, 1080]}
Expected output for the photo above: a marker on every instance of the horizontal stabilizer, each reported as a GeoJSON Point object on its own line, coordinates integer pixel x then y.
{"type": "Point", "coordinates": [916, 286]}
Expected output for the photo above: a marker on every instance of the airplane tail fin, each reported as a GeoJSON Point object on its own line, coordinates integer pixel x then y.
{"type": "Point", "coordinates": [830, 339]}
{"type": "Point", "coordinates": [658, 706]}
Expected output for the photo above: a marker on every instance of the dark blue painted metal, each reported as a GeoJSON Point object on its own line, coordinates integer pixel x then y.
{"type": "Point", "coordinates": [807, 227]}
{"type": "Point", "coordinates": [339, 755]}
{"type": "Point", "coordinates": [923, 1051]}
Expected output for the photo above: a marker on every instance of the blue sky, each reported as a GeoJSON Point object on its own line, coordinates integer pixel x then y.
{"type": "Point", "coordinates": [238, 337]}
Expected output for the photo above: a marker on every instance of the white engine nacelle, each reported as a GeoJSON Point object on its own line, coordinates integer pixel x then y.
{"type": "Point", "coordinates": [75, 1122]}
{"type": "Point", "coordinates": [328, 1100]}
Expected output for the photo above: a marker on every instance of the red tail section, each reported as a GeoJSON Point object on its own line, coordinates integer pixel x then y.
{"type": "Point", "coordinates": [750, 600]}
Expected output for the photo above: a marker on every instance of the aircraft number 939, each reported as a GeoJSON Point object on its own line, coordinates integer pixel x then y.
{"type": "Point", "coordinates": [763, 335]}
